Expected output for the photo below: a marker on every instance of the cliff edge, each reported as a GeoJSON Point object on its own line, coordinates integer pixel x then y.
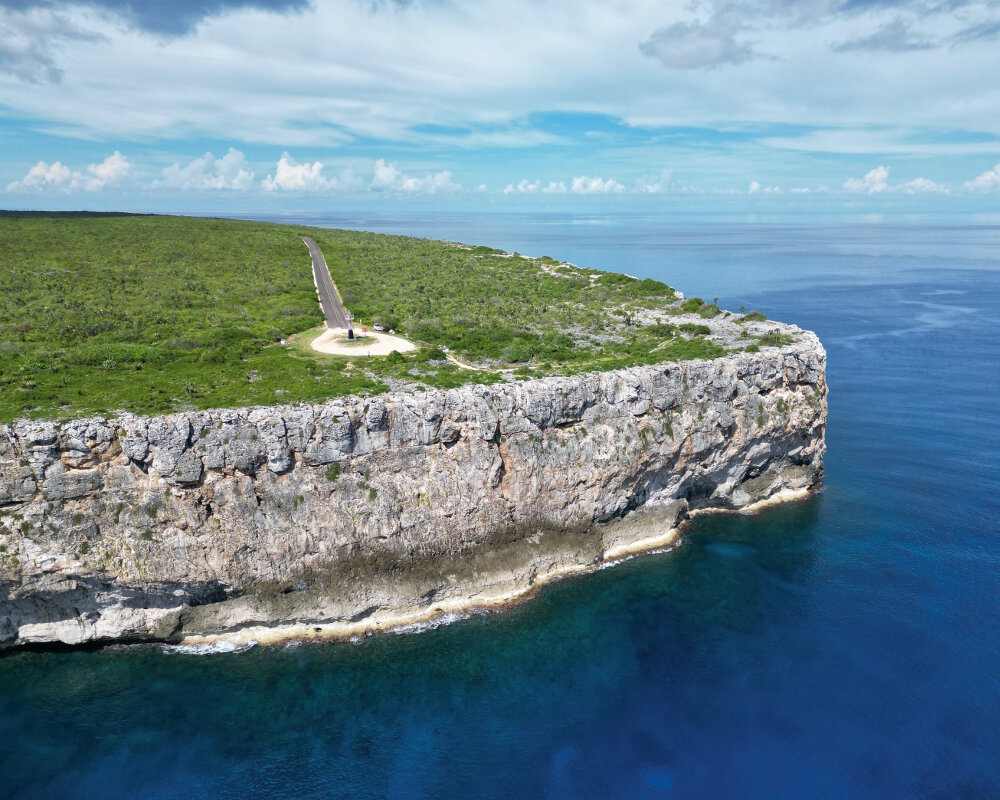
{"type": "Point", "coordinates": [357, 513]}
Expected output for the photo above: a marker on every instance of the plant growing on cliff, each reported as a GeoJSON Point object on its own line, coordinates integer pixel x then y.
{"type": "Point", "coordinates": [775, 338]}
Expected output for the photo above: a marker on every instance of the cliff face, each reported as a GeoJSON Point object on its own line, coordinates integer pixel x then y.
{"type": "Point", "coordinates": [362, 510]}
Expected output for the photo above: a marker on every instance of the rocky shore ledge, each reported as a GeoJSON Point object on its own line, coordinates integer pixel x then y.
{"type": "Point", "coordinates": [361, 513]}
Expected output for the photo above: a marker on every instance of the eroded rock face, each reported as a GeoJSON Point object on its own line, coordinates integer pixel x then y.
{"type": "Point", "coordinates": [137, 529]}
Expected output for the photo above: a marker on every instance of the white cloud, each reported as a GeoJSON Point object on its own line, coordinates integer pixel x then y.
{"type": "Point", "coordinates": [986, 182]}
{"type": "Point", "coordinates": [513, 74]}
{"type": "Point", "coordinates": [653, 184]}
{"type": "Point", "coordinates": [800, 190]}
{"type": "Point", "coordinates": [321, 76]}
{"type": "Point", "coordinates": [874, 182]}
{"type": "Point", "coordinates": [290, 176]}
{"type": "Point", "coordinates": [922, 186]}
{"type": "Point", "coordinates": [389, 178]}
{"type": "Point", "coordinates": [880, 142]}
{"type": "Point", "coordinates": [535, 187]}
{"type": "Point", "coordinates": [754, 187]}
{"type": "Point", "coordinates": [43, 175]}
{"type": "Point", "coordinates": [430, 184]}
{"type": "Point", "coordinates": [60, 177]}
{"type": "Point", "coordinates": [111, 170]}
{"type": "Point", "coordinates": [583, 184]}
{"type": "Point", "coordinates": [231, 172]}
{"type": "Point", "coordinates": [523, 187]}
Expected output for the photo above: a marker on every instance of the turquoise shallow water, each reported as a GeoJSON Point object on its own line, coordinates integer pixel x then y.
{"type": "Point", "coordinates": [846, 646]}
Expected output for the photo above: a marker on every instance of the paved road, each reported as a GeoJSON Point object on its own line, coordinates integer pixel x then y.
{"type": "Point", "coordinates": [329, 300]}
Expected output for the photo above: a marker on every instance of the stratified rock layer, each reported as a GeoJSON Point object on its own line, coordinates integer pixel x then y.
{"type": "Point", "coordinates": [133, 528]}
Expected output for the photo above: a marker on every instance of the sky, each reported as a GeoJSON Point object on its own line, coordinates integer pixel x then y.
{"type": "Point", "coordinates": [282, 105]}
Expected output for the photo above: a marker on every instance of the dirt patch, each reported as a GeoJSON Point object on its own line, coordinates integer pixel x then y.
{"type": "Point", "coordinates": [334, 342]}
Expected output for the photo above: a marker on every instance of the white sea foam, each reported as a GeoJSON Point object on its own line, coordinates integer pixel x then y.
{"type": "Point", "coordinates": [614, 562]}
{"type": "Point", "coordinates": [209, 648]}
{"type": "Point", "coordinates": [436, 622]}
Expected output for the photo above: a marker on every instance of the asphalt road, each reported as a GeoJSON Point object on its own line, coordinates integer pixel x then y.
{"type": "Point", "coordinates": [329, 300]}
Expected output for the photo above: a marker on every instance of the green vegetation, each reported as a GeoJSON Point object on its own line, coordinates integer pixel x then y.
{"type": "Point", "coordinates": [695, 305]}
{"type": "Point", "coordinates": [155, 314]}
{"type": "Point", "coordinates": [775, 338]}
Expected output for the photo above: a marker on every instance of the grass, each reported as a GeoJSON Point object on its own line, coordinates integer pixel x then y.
{"type": "Point", "coordinates": [156, 314]}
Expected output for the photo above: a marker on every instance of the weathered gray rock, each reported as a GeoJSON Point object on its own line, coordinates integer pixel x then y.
{"type": "Point", "coordinates": [153, 528]}
{"type": "Point", "coordinates": [66, 484]}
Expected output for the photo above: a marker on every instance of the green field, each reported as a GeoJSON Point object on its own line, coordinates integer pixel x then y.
{"type": "Point", "coordinates": [154, 314]}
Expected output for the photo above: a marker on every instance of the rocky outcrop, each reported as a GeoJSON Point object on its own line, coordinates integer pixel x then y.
{"type": "Point", "coordinates": [359, 511]}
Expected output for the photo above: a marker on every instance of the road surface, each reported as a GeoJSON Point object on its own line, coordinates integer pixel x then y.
{"type": "Point", "coordinates": [329, 300]}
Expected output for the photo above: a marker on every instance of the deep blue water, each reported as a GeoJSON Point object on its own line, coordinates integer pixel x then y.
{"type": "Point", "coordinates": [846, 646]}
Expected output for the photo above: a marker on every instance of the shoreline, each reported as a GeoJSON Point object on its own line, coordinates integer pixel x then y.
{"type": "Point", "coordinates": [460, 608]}
{"type": "Point", "coordinates": [299, 522]}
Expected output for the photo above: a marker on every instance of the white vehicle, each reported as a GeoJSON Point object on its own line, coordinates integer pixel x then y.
{"type": "Point", "coordinates": [378, 327]}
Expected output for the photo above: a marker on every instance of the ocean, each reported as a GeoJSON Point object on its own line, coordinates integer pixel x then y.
{"type": "Point", "coordinates": [844, 646]}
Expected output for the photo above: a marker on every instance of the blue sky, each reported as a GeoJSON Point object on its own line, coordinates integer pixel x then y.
{"type": "Point", "coordinates": [271, 105]}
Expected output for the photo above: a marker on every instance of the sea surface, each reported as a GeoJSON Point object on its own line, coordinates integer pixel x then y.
{"type": "Point", "coordinates": [844, 646]}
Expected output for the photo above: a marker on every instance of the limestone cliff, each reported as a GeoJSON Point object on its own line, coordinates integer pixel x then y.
{"type": "Point", "coordinates": [344, 515]}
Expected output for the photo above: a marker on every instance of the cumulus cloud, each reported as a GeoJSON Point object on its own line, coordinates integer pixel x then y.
{"type": "Point", "coordinates": [586, 185]}
{"type": "Point", "coordinates": [231, 172]}
{"type": "Point", "coordinates": [874, 182]}
{"type": "Point", "coordinates": [754, 187]}
{"type": "Point", "coordinates": [653, 184]}
{"type": "Point", "coordinates": [290, 176]}
{"type": "Point", "coordinates": [986, 182]}
{"type": "Point", "coordinates": [389, 178]}
{"type": "Point", "coordinates": [523, 187]}
{"type": "Point", "coordinates": [58, 176]}
{"type": "Point", "coordinates": [686, 45]}
{"type": "Point", "coordinates": [535, 187]}
{"type": "Point", "coordinates": [111, 170]}
{"type": "Point", "coordinates": [922, 186]}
